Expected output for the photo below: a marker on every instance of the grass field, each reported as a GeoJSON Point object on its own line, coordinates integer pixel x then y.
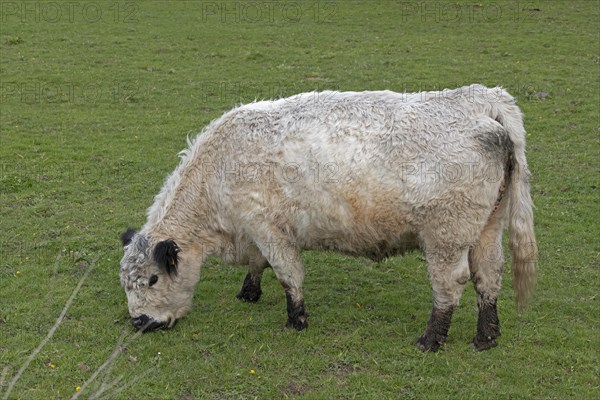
{"type": "Point", "coordinates": [97, 99]}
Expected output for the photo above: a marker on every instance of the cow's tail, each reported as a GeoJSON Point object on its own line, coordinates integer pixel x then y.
{"type": "Point", "coordinates": [523, 245]}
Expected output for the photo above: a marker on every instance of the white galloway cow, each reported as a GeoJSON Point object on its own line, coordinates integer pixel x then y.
{"type": "Point", "coordinates": [365, 173]}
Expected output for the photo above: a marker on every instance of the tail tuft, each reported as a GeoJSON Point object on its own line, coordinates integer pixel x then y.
{"type": "Point", "coordinates": [522, 242]}
{"type": "Point", "coordinates": [523, 245]}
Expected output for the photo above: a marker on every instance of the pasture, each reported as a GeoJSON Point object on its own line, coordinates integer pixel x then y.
{"type": "Point", "coordinates": [96, 100]}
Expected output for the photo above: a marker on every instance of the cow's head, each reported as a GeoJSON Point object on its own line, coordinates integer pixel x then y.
{"type": "Point", "coordinates": [157, 293]}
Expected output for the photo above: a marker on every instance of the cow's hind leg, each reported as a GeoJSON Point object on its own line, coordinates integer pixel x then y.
{"type": "Point", "coordinates": [251, 290]}
{"type": "Point", "coordinates": [486, 264]}
{"type": "Point", "coordinates": [448, 272]}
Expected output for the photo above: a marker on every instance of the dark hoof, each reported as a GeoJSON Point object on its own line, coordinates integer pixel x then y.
{"type": "Point", "coordinates": [298, 324]}
{"type": "Point", "coordinates": [426, 343]}
{"type": "Point", "coordinates": [483, 344]}
{"type": "Point", "coordinates": [251, 296]}
{"type": "Point", "coordinates": [437, 329]}
{"type": "Point", "coordinates": [488, 326]}
{"type": "Point", "coordinates": [297, 314]}
{"type": "Point", "coordinates": [250, 291]}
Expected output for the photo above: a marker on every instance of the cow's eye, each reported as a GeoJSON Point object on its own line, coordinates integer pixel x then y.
{"type": "Point", "coordinates": [153, 279]}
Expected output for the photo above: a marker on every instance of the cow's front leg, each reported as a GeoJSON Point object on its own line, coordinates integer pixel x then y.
{"type": "Point", "coordinates": [251, 290]}
{"type": "Point", "coordinates": [295, 308]}
{"type": "Point", "coordinates": [291, 277]}
{"type": "Point", "coordinates": [284, 258]}
{"type": "Point", "coordinates": [448, 273]}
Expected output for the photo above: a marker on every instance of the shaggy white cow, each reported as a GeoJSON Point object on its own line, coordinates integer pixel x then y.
{"type": "Point", "coordinates": [364, 173]}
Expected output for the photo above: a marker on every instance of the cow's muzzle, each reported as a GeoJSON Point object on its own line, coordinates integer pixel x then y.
{"type": "Point", "coordinates": [147, 324]}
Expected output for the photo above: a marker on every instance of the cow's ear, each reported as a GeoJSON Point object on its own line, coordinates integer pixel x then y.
{"type": "Point", "coordinates": [166, 256]}
{"type": "Point", "coordinates": [127, 236]}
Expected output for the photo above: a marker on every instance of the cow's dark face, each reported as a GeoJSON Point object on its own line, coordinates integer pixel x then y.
{"type": "Point", "coordinates": [157, 295]}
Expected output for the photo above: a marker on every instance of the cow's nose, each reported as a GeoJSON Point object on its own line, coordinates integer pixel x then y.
{"type": "Point", "coordinates": [146, 324]}
{"type": "Point", "coordinates": [140, 321]}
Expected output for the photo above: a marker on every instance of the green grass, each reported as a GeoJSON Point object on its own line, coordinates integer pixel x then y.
{"type": "Point", "coordinates": [96, 101]}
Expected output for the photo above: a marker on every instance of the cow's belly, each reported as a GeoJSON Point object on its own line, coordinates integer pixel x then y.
{"type": "Point", "coordinates": [356, 221]}
{"type": "Point", "coordinates": [360, 246]}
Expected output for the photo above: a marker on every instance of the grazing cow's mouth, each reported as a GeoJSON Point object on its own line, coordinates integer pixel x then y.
{"type": "Point", "coordinates": [147, 324]}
